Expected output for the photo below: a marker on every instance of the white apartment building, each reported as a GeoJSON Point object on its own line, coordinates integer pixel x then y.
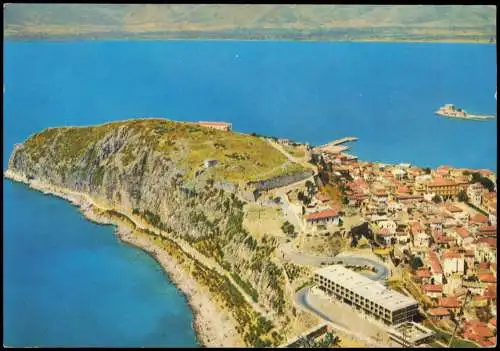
{"type": "Point", "coordinates": [367, 295]}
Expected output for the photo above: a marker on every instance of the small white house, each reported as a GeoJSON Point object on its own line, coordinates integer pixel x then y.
{"type": "Point", "coordinates": [325, 217]}
{"type": "Point", "coordinates": [421, 240]}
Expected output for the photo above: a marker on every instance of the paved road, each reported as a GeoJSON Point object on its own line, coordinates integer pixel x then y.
{"type": "Point", "coordinates": [291, 157]}
{"type": "Point", "coordinates": [301, 300]}
{"type": "Point", "coordinates": [290, 213]}
{"type": "Point", "coordinates": [381, 271]}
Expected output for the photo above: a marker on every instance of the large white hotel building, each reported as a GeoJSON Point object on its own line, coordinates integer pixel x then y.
{"type": "Point", "coordinates": [365, 294]}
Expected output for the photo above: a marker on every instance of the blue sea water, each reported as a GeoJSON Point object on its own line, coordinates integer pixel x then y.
{"type": "Point", "coordinates": [68, 281]}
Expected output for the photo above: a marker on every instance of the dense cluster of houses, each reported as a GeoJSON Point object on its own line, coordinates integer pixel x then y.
{"type": "Point", "coordinates": [418, 211]}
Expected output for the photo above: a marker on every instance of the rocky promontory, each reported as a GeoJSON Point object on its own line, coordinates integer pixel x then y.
{"type": "Point", "coordinates": [150, 176]}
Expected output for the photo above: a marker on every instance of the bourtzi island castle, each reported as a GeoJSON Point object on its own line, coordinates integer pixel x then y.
{"type": "Point", "coordinates": [285, 238]}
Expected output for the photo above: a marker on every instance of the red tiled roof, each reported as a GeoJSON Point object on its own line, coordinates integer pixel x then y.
{"type": "Point", "coordinates": [423, 273]}
{"type": "Point", "coordinates": [483, 265]}
{"type": "Point", "coordinates": [451, 255]}
{"type": "Point", "coordinates": [443, 239]}
{"type": "Point", "coordinates": [487, 342]}
{"type": "Point", "coordinates": [462, 232]}
{"type": "Point", "coordinates": [449, 302]}
{"type": "Point", "coordinates": [322, 215]}
{"type": "Point", "coordinates": [487, 278]}
{"type": "Point", "coordinates": [432, 288]}
{"type": "Point", "coordinates": [490, 241]}
{"type": "Point", "coordinates": [453, 209]}
{"type": "Point", "coordinates": [439, 311]}
{"type": "Point", "coordinates": [441, 182]}
{"type": "Point", "coordinates": [482, 331]}
{"type": "Point", "coordinates": [434, 262]}
{"type": "Point", "coordinates": [403, 189]}
{"type": "Point", "coordinates": [488, 228]}
{"type": "Point", "coordinates": [490, 292]}
{"type": "Point", "coordinates": [479, 218]}
{"type": "Point", "coordinates": [416, 227]}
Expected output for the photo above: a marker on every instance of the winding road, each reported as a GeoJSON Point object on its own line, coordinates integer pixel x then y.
{"type": "Point", "coordinates": [301, 300]}
{"type": "Point", "coordinates": [381, 271]}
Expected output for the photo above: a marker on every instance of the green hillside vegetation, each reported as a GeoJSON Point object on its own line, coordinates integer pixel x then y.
{"type": "Point", "coordinates": [329, 22]}
{"type": "Point", "coordinates": [241, 157]}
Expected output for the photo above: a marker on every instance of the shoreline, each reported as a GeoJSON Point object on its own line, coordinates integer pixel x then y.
{"type": "Point", "coordinates": [207, 316]}
{"type": "Point", "coordinates": [51, 38]}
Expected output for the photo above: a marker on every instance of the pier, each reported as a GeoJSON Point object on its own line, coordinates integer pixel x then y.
{"type": "Point", "coordinates": [336, 147]}
{"type": "Point", "coordinates": [344, 140]}
{"type": "Point", "coordinates": [338, 142]}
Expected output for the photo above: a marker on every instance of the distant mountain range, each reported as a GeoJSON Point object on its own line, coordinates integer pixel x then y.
{"type": "Point", "coordinates": [315, 22]}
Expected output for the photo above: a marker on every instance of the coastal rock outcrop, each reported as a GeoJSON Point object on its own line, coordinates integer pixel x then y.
{"type": "Point", "coordinates": [141, 168]}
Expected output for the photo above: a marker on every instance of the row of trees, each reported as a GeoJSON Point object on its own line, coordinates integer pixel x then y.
{"type": "Point", "coordinates": [461, 196]}
{"type": "Point", "coordinates": [486, 182]}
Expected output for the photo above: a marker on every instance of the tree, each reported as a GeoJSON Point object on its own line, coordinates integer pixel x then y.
{"type": "Point", "coordinates": [300, 196]}
{"type": "Point", "coordinates": [307, 201]}
{"type": "Point", "coordinates": [345, 200]}
{"type": "Point", "coordinates": [462, 196]}
{"type": "Point", "coordinates": [310, 187]}
{"type": "Point", "coordinates": [416, 263]}
{"type": "Point", "coordinates": [485, 181]}
{"type": "Point", "coordinates": [436, 199]}
{"type": "Point", "coordinates": [427, 170]}
{"type": "Point", "coordinates": [288, 228]}
{"type": "Point", "coordinates": [488, 184]}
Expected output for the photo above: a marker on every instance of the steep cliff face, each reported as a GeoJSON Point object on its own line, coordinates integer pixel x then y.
{"type": "Point", "coordinates": [146, 168]}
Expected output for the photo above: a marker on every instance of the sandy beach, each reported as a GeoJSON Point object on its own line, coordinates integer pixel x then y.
{"type": "Point", "coordinates": [214, 327]}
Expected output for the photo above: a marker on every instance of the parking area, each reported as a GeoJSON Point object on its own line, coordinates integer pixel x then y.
{"type": "Point", "coordinates": [357, 324]}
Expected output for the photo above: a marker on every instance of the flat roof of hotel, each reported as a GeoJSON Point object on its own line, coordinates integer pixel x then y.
{"type": "Point", "coordinates": [363, 286]}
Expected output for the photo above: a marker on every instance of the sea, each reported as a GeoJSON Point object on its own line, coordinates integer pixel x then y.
{"type": "Point", "coordinates": [70, 282]}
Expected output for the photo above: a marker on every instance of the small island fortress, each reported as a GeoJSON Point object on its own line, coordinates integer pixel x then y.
{"type": "Point", "coordinates": [451, 111]}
